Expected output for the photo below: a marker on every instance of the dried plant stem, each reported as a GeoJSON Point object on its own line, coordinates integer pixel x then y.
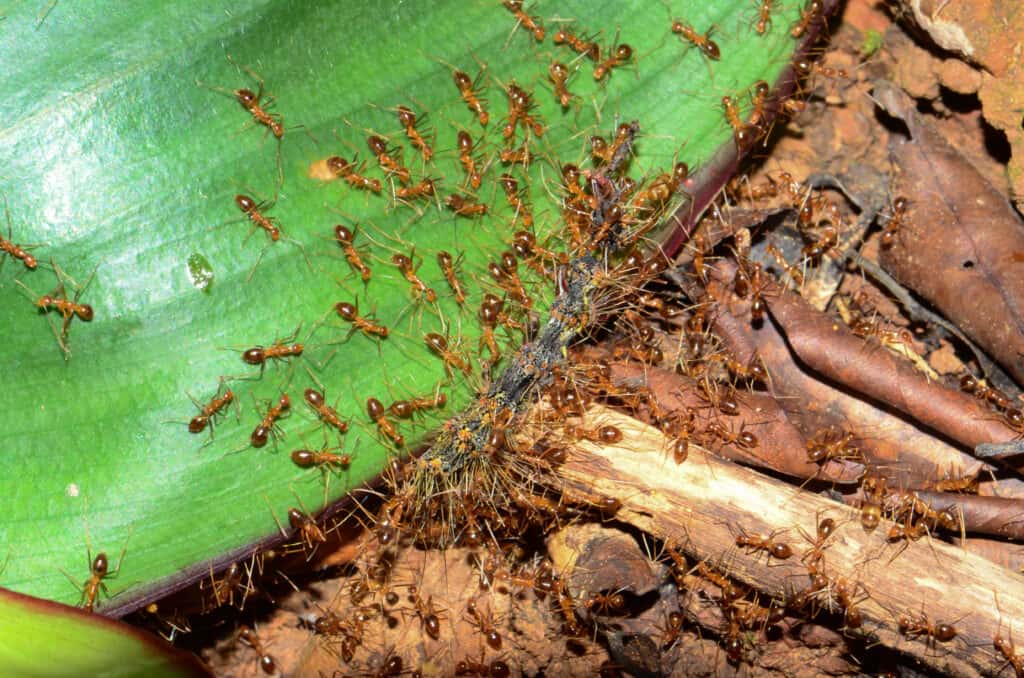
{"type": "Point", "coordinates": [701, 503]}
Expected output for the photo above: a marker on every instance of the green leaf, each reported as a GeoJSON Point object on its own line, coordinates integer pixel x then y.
{"type": "Point", "coordinates": [123, 168]}
{"type": "Point", "coordinates": [42, 638]}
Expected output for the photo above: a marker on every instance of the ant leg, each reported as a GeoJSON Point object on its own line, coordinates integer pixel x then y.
{"type": "Point", "coordinates": [314, 378]}
{"type": "Point", "coordinates": [305, 255]}
{"type": "Point", "coordinates": [45, 12]}
{"type": "Point", "coordinates": [120, 558]}
{"type": "Point", "coordinates": [255, 76]}
{"type": "Point", "coordinates": [74, 582]}
{"type": "Point", "coordinates": [252, 270]}
{"type": "Point", "coordinates": [280, 163]}
{"type": "Point", "coordinates": [291, 374]}
{"type": "Point", "coordinates": [10, 230]}
{"type": "Point", "coordinates": [280, 527]}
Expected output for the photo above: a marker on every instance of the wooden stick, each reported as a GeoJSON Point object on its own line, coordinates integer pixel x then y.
{"type": "Point", "coordinates": [702, 505]}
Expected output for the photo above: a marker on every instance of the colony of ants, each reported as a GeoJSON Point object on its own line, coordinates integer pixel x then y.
{"type": "Point", "coordinates": [629, 211]}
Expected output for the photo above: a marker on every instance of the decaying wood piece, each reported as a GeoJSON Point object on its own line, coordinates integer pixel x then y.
{"type": "Point", "coordinates": [835, 352]}
{"type": "Point", "coordinates": [998, 516]}
{"type": "Point", "coordinates": [780, 446]}
{"type": "Point", "coordinates": [908, 456]}
{"type": "Point", "coordinates": [960, 244]}
{"type": "Point", "coordinates": [703, 503]}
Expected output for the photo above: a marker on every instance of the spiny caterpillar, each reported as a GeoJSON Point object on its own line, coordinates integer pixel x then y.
{"type": "Point", "coordinates": [473, 466]}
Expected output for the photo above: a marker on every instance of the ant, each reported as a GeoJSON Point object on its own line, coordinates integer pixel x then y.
{"type": "Point", "coordinates": [744, 439]}
{"type": "Point", "coordinates": [346, 239]}
{"type": "Point", "coordinates": [607, 434]}
{"type": "Point", "coordinates": [732, 641]}
{"type": "Point", "coordinates": [792, 270]}
{"type": "Point", "coordinates": [742, 133]}
{"type": "Point", "coordinates": [404, 409]}
{"type": "Point", "coordinates": [16, 251]}
{"type": "Point", "coordinates": [621, 55]}
{"type": "Point", "coordinates": [586, 46]}
{"type": "Point", "coordinates": [702, 41]}
{"type": "Point", "coordinates": [764, 19]}
{"type": "Point", "coordinates": [1009, 652]}
{"type": "Point", "coordinates": [251, 101]}
{"type": "Point", "coordinates": [624, 133]}
{"type": "Point", "coordinates": [681, 427]}
{"type": "Point", "coordinates": [671, 631]}
{"type": "Point", "coordinates": [391, 665]}
{"type": "Point", "coordinates": [523, 19]}
{"type": "Point", "coordinates": [832, 446]}
{"type": "Point", "coordinates": [812, 559]}
{"type": "Point", "coordinates": [757, 103]}
{"type": "Point", "coordinates": [824, 242]}
{"type": "Point", "coordinates": [408, 121]}
{"type": "Point", "coordinates": [506, 274]}
{"type": "Point", "coordinates": [351, 630]}
{"type": "Point", "coordinates": [808, 14]}
{"type": "Point", "coordinates": [377, 413]}
{"type": "Point", "coordinates": [366, 325]}
{"type": "Point", "coordinates": [984, 392]}
{"type": "Point", "coordinates": [871, 507]}
{"type": "Point", "coordinates": [311, 534]}
{"type": "Point", "coordinates": [268, 425]}
{"type": "Point", "coordinates": [258, 108]}
{"type": "Point", "coordinates": [254, 212]}
{"type": "Point", "coordinates": [439, 345]}
{"type": "Point", "coordinates": [465, 207]}
{"type": "Point", "coordinates": [485, 622]}
{"type": "Point", "coordinates": [321, 459]}
{"type": "Point", "coordinates": [343, 169]}
{"type": "Point", "coordinates": [516, 156]}
{"type": "Point", "coordinates": [69, 309]}
{"type": "Point", "coordinates": [477, 667]}
{"type": "Point", "coordinates": [965, 484]}
{"type": "Point", "coordinates": [249, 637]}
{"type": "Point", "coordinates": [660, 191]}
{"type": "Point", "coordinates": [425, 189]}
{"type": "Point", "coordinates": [892, 226]}
{"type": "Point", "coordinates": [225, 587]}
{"type": "Point", "coordinates": [468, 90]}
{"type": "Point", "coordinates": [447, 264]}
{"type": "Point", "coordinates": [66, 307]}
{"type": "Point", "coordinates": [525, 246]}
{"type": "Point", "coordinates": [379, 147]}
{"type": "Point", "coordinates": [419, 287]}
{"type": "Point", "coordinates": [208, 411]}
{"type": "Point", "coordinates": [920, 625]}
{"type": "Point", "coordinates": [515, 199]}
{"type": "Point", "coordinates": [465, 146]}
{"type": "Point", "coordinates": [845, 594]}
{"type": "Point", "coordinates": [606, 603]}
{"type": "Point", "coordinates": [489, 315]}
{"type": "Point", "coordinates": [99, 570]}
{"type": "Point", "coordinates": [571, 183]}
{"type": "Point", "coordinates": [327, 414]}
{"type": "Point", "coordinates": [429, 620]}
{"type": "Point", "coordinates": [558, 73]}
{"type": "Point", "coordinates": [730, 592]}
{"type": "Point", "coordinates": [776, 549]}
{"type": "Point", "coordinates": [279, 350]}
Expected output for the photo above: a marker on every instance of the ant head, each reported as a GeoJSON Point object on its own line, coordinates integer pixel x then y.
{"type": "Point", "coordinates": [246, 97]}
{"type": "Point", "coordinates": [338, 165]}
{"type": "Point", "coordinates": [245, 203]}
{"type": "Point", "coordinates": [346, 310]}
